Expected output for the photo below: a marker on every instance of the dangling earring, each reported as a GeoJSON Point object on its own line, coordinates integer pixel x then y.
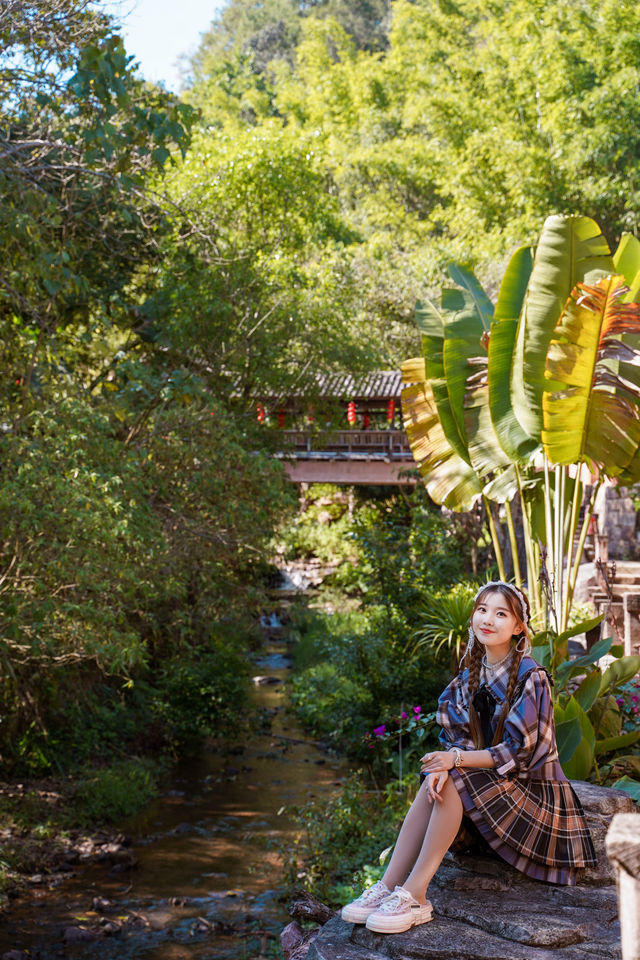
{"type": "Point", "coordinates": [523, 646]}
{"type": "Point", "coordinates": [470, 645]}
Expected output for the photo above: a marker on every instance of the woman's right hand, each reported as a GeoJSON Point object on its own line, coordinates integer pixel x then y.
{"type": "Point", "coordinates": [434, 784]}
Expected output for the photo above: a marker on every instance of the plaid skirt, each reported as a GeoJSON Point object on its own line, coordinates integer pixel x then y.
{"type": "Point", "coordinates": [537, 825]}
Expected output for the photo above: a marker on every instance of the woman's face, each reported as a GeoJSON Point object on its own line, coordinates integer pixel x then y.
{"type": "Point", "coordinates": [493, 622]}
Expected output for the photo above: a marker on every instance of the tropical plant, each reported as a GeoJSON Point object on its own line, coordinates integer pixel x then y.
{"type": "Point", "coordinates": [516, 404]}
{"type": "Point", "coordinates": [445, 620]}
{"type": "Point", "coordinates": [587, 708]}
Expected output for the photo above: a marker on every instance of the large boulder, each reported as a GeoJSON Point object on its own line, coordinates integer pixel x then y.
{"type": "Point", "coordinates": [486, 910]}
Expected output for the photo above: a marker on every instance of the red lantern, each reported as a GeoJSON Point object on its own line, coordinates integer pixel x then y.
{"type": "Point", "coordinates": [391, 410]}
{"type": "Point", "coordinates": [310, 415]}
{"type": "Point", "coordinates": [351, 412]}
{"type": "Point", "coordinates": [365, 421]}
{"type": "Point", "coordinates": [281, 419]}
{"type": "Point", "coordinates": [260, 413]}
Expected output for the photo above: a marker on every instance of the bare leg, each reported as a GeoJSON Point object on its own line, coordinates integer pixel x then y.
{"type": "Point", "coordinates": [443, 826]}
{"type": "Point", "coordinates": [410, 840]}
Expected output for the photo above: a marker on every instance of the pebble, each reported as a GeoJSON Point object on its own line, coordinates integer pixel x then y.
{"type": "Point", "coordinates": [101, 903]}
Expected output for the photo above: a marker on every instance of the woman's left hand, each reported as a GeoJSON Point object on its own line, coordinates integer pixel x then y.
{"type": "Point", "coordinates": [437, 761]}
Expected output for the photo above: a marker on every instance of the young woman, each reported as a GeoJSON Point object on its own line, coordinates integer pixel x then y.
{"type": "Point", "coordinates": [498, 766]}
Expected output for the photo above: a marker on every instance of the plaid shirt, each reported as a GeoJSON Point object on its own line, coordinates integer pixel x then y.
{"type": "Point", "coordinates": [529, 741]}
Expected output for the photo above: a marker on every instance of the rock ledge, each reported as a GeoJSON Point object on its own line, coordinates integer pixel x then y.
{"type": "Point", "coordinates": [485, 910]}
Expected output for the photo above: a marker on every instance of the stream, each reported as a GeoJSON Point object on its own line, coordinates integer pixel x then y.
{"type": "Point", "coordinates": [208, 876]}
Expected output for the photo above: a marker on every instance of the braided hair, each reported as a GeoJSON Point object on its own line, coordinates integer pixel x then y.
{"type": "Point", "coordinates": [473, 660]}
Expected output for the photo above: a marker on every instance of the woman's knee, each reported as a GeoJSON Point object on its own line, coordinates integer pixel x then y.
{"type": "Point", "coordinates": [450, 794]}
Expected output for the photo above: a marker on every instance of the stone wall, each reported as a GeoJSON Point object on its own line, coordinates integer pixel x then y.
{"type": "Point", "coordinates": [617, 521]}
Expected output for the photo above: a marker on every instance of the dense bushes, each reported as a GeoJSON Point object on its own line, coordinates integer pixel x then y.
{"type": "Point", "coordinates": [354, 679]}
{"type": "Point", "coordinates": [132, 576]}
{"type": "Point", "coordinates": [354, 669]}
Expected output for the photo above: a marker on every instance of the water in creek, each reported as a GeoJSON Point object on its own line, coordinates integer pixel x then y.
{"type": "Point", "coordinates": [208, 875]}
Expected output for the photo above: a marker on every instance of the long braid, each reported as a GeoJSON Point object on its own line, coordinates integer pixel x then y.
{"type": "Point", "coordinates": [473, 660]}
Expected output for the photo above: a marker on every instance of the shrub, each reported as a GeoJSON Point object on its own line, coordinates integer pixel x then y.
{"type": "Point", "coordinates": [117, 791]}
{"type": "Point", "coordinates": [204, 695]}
{"type": "Point", "coordinates": [353, 679]}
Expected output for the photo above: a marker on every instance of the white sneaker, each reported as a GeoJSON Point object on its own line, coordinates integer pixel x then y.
{"type": "Point", "coordinates": [368, 901]}
{"type": "Point", "coordinates": [398, 913]}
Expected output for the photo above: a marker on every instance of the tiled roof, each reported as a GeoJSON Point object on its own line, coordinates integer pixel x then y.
{"type": "Point", "coordinates": [377, 385]}
{"type": "Point", "coordinates": [383, 384]}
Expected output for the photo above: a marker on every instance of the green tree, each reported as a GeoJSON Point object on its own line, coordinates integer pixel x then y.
{"type": "Point", "coordinates": [259, 291]}
{"type": "Point", "coordinates": [80, 135]}
{"type": "Point", "coordinates": [456, 140]}
{"type": "Point", "coordinates": [135, 511]}
{"type": "Point", "coordinates": [268, 31]}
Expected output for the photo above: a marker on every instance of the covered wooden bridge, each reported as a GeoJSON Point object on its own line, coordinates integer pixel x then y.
{"type": "Point", "coordinates": [350, 433]}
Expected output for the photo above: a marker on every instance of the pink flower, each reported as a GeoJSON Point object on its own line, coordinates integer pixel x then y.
{"type": "Point", "coordinates": [417, 710]}
{"type": "Point", "coordinates": [380, 731]}
{"type": "Point", "coordinates": [403, 715]}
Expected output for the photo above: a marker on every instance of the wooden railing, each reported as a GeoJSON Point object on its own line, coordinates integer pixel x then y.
{"type": "Point", "coordinates": [350, 444]}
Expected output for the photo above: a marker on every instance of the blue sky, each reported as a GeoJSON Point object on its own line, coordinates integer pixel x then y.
{"type": "Point", "coordinates": [158, 32]}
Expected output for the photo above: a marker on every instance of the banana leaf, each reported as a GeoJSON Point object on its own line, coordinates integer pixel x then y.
{"type": "Point", "coordinates": [512, 438]}
{"type": "Point", "coordinates": [606, 718]}
{"type": "Point", "coordinates": [503, 488]}
{"type": "Point", "coordinates": [453, 484]}
{"type": "Point", "coordinates": [578, 765]}
{"type": "Point", "coordinates": [413, 370]}
{"type": "Point", "coordinates": [487, 456]}
{"type": "Point", "coordinates": [448, 479]}
{"type": "Point", "coordinates": [590, 402]}
{"type": "Point", "coordinates": [466, 279]}
{"type": "Point", "coordinates": [542, 655]}
{"type": "Point", "coordinates": [513, 286]}
{"type": "Point", "coordinates": [568, 738]}
{"type": "Point", "coordinates": [468, 314]}
{"type": "Point", "coordinates": [463, 332]}
{"type": "Point", "coordinates": [589, 689]}
{"type": "Point", "coordinates": [626, 260]}
{"type": "Point", "coordinates": [571, 249]}
{"type": "Point", "coordinates": [431, 321]}
{"type": "Point", "coordinates": [570, 668]}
